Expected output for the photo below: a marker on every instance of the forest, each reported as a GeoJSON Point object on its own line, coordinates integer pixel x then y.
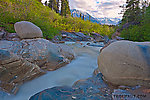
{"type": "Point", "coordinates": [46, 17]}
{"type": "Point", "coordinates": [54, 16]}
{"type": "Point", "coordinates": [136, 20]}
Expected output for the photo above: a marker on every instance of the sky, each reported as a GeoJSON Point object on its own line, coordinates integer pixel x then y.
{"type": "Point", "coordinates": [98, 8]}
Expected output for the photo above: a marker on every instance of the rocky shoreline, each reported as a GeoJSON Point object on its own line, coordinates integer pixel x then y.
{"type": "Point", "coordinates": [93, 88]}
{"type": "Point", "coordinates": [25, 55]}
{"type": "Point", "coordinates": [124, 75]}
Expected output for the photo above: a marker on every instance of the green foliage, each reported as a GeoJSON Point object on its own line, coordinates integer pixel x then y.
{"type": "Point", "coordinates": [65, 9]}
{"type": "Point", "coordinates": [57, 10]}
{"type": "Point", "coordinates": [51, 23]}
{"type": "Point", "coordinates": [132, 11]}
{"type": "Point", "coordinates": [139, 32]}
{"type": "Point", "coordinates": [53, 5]}
{"type": "Point", "coordinates": [50, 4]}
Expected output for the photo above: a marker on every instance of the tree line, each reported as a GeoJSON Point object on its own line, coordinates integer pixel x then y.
{"type": "Point", "coordinates": [133, 10]}
{"type": "Point", "coordinates": [62, 7]}
{"type": "Point", "coordinates": [135, 22]}
{"type": "Point", "coordinates": [59, 6]}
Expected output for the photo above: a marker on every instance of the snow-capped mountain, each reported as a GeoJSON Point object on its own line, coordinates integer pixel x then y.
{"type": "Point", "coordinates": [107, 21]}
{"type": "Point", "coordinates": [76, 13]}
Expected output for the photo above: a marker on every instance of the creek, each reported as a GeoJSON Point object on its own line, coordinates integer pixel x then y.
{"type": "Point", "coordinates": [81, 67]}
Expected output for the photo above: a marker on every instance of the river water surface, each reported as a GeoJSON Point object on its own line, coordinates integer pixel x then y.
{"type": "Point", "coordinates": [81, 67]}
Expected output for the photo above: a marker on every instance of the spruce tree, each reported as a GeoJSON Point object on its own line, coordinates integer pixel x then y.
{"type": "Point", "coordinates": [83, 16]}
{"type": "Point", "coordinates": [54, 5]}
{"type": "Point", "coordinates": [65, 9]}
{"type": "Point", "coordinates": [89, 18]}
{"type": "Point", "coordinates": [80, 15]}
{"type": "Point", "coordinates": [50, 4]}
{"type": "Point", "coordinates": [132, 12]}
{"type": "Point", "coordinates": [144, 5]}
{"type": "Point", "coordinates": [57, 11]}
{"type": "Point", "coordinates": [45, 3]}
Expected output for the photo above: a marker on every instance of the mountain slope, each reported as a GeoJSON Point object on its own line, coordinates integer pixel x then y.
{"type": "Point", "coordinates": [107, 21]}
{"type": "Point", "coordinates": [51, 23]}
{"type": "Point", "coordinates": [76, 13]}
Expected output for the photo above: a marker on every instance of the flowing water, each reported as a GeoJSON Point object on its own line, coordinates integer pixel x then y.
{"type": "Point", "coordinates": [81, 67]}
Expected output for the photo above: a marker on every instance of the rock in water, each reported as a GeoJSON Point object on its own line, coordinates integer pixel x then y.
{"type": "Point", "coordinates": [27, 30]}
{"type": "Point", "coordinates": [92, 88]}
{"type": "Point", "coordinates": [14, 71]}
{"type": "Point", "coordinates": [12, 37]}
{"type": "Point", "coordinates": [21, 61]}
{"type": "Point", "coordinates": [126, 63]}
{"type": "Point", "coordinates": [45, 54]}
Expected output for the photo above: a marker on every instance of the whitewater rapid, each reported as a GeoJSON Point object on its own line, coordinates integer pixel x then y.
{"type": "Point", "coordinates": [81, 67]}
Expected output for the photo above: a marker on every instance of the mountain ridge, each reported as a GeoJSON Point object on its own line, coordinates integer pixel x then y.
{"type": "Point", "coordinates": [105, 20]}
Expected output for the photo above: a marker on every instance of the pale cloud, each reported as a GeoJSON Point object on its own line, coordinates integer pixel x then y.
{"type": "Point", "coordinates": [99, 8]}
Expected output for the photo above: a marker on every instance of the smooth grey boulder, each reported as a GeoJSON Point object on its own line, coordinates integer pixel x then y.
{"type": "Point", "coordinates": [27, 30]}
{"type": "Point", "coordinates": [126, 63]}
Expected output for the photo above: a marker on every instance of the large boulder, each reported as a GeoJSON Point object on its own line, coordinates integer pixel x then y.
{"type": "Point", "coordinates": [15, 70]}
{"type": "Point", "coordinates": [24, 60]}
{"type": "Point", "coordinates": [27, 30]}
{"type": "Point", "coordinates": [126, 63]}
{"type": "Point", "coordinates": [45, 54]}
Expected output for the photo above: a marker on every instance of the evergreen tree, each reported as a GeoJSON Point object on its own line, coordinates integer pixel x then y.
{"type": "Point", "coordinates": [80, 15]}
{"type": "Point", "coordinates": [147, 15]}
{"type": "Point", "coordinates": [65, 9]}
{"type": "Point", "coordinates": [83, 16]}
{"type": "Point", "coordinates": [54, 5]}
{"type": "Point", "coordinates": [89, 18]}
{"type": "Point", "coordinates": [45, 3]}
{"type": "Point", "coordinates": [50, 4]}
{"type": "Point", "coordinates": [72, 15]}
{"type": "Point", "coordinates": [132, 12]}
{"type": "Point", "coordinates": [144, 5]}
{"type": "Point", "coordinates": [57, 11]}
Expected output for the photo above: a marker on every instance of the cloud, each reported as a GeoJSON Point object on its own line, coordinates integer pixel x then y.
{"type": "Point", "coordinates": [99, 8]}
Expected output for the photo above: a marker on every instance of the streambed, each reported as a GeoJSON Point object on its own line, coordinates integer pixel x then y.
{"type": "Point", "coordinates": [81, 67]}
